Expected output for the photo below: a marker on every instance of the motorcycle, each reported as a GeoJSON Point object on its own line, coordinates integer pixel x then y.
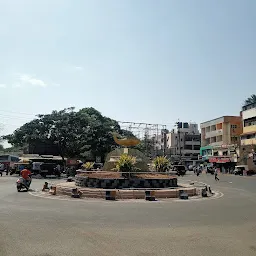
{"type": "Point", "coordinates": [23, 184]}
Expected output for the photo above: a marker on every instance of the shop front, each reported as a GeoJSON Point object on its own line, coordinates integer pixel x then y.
{"type": "Point", "coordinates": [225, 164]}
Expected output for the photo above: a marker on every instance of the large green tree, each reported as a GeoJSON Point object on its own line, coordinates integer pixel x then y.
{"type": "Point", "coordinates": [250, 100]}
{"type": "Point", "coordinates": [84, 133]}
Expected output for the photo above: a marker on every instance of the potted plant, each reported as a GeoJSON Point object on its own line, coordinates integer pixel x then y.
{"type": "Point", "coordinates": [161, 163]}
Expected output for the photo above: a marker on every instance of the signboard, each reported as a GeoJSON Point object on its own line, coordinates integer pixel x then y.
{"type": "Point", "coordinates": [71, 162]}
{"type": "Point", "coordinates": [98, 159]}
{"type": "Point", "coordinates": [219, 160]}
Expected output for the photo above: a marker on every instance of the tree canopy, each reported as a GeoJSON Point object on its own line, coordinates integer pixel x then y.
{"type": "Point", "coordinates": [84, 133]}
{"type": "Point", "coordinates": [250, 100]}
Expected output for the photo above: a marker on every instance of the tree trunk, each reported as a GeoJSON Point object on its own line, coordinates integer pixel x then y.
{"type": "Point", "coordinates": [62, 156]}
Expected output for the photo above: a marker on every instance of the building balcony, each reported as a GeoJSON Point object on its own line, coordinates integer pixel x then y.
{"type": "Point", "coordinates": [213, 133]}
{"type": "Point", "coordinates": [187, 142]}
{"type": "Point", "coordinates": [248, 142]}
{"type": "Point", "coordinates": [218, 143]}
{"type": "Point", "coordinates": [249, 129]}
{"type": "Point", "coordinates": [190, 151]}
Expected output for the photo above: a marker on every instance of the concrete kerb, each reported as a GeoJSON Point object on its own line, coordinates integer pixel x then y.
{"type": "Point", "coordinates": [66, 189]}
{"type": "Point", "coordinates": [200, 186]}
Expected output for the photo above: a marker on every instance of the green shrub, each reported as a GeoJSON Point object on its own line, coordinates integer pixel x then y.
{"type": "Point", "coordinates": [88, 165]}
{"type": "Point", "coordinates": [161, 163]}
{"type": "Point", "coordinates": [126, 163]}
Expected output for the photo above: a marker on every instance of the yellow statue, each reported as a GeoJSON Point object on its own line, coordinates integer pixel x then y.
{"type": "Point", "coordinates": [126, 142]}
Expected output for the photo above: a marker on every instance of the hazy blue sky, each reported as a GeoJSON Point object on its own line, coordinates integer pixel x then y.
{"type": "Point", "coordinates": [154, 61]}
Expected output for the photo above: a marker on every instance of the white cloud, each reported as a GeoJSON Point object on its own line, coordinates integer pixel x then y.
{"type": "Point", "coordinates": [2, 85]}
{"type": "Point", "coordinates": [16, 85]}
{"type": "Point", "coordinates": [79, 68]}
{"type": "Point", "coordinates": [27, 79]}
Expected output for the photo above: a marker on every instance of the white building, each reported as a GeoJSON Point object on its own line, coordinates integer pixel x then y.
{"type": "Point", "coordinates": [184, 143]}
{"type": "Point", "coordinates": [160, 141]}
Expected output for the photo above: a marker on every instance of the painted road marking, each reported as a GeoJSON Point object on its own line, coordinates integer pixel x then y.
{"type": "Point", "coordinates": [40, 194]}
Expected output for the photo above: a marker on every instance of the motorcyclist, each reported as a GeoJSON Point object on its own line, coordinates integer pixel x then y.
{"type": "Point", "coordinates": [26, 175]}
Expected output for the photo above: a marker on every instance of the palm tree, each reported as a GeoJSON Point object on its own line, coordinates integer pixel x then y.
{"type": "Point", "coordinates": [250, 100]}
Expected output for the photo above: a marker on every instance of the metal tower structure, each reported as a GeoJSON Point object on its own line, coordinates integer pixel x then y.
{"type": "Point", "coordinates": [153, 136]}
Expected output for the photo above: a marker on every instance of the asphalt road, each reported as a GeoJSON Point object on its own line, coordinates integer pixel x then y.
{"type": "Point", "coordinates": [33, 226]}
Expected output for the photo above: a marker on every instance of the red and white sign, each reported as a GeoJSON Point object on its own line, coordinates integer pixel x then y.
{"type": "Point", "coordinates": [219, 159]}
{"type": "Point", "coordinates": [72, 162]}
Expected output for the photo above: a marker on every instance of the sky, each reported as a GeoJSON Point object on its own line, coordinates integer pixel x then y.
{"type": "Point", "coordinates": [133, 60]}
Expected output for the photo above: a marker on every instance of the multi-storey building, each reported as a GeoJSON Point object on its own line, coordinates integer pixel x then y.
{"type": "Point", "coordinates": [224, 130]}
{"type": "Point", "coordinates": [248, 137]}
{"type": "Point", "coordinates": [183, 144]}
{"type": "Point", "coordinates": [160, 142]}
{"type": "Point", "coordinates": [220, 141]}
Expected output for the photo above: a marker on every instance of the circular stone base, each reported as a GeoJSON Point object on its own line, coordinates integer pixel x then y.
{"type": "Point", "coordinates": [66, 189]}
{"type": "Point", "coordinates": [122, 183]}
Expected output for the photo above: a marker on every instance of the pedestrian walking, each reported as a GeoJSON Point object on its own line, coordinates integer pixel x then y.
{"type": "Point", "coordinates": [2, 167]}
{"type": "Point", "coordinates": [7, 169]}
{"type": "Point", "coordinates": [216, 174]}
{"type": "Point", "coordinates": [198, 171]}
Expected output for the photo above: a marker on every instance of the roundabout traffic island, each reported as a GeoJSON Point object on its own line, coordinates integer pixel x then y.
{"type": "Point", "coordinates": [126, 175]}
{"type": "Point", "coordinates": [111, 186]}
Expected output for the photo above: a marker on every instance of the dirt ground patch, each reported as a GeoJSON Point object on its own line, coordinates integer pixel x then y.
{"type": "Point", "coordinates": [117, 175]}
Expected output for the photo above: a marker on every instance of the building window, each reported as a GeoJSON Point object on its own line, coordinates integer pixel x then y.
{"type": "Point", "coordinates": [250, 121]}
{"type": "Point", "coordinates": [248, 137]}
{"type": "Point", "coordinates": [234, 138]}
{"type": "Point", "coordinates": [193, 138]}
{"type": "Point", "coordinates": [233, 126]}
{"type": "Point", "coordinates": [185, 125]}
{"type": "Point", "coordinates": [196, 147]}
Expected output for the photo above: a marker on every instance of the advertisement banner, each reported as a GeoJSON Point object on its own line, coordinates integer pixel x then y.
{"type": "Point", "coordinates": [219, 160]}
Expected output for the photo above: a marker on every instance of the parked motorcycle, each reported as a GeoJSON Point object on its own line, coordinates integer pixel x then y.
{"type": "Point", "coordinates": [23, 184]}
